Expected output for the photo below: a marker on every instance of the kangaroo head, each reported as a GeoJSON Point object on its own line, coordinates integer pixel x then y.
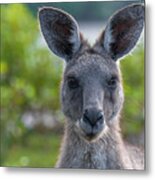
{"type": "Point", "coordinates": [92, 94]}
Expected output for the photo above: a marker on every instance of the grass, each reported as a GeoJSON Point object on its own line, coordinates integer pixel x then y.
{"type": "Point", "coordinates": [37, 150]}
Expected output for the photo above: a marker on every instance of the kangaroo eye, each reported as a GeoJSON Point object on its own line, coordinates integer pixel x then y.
{"type": "Point", "coordinates": [73, 83]}
{"type": "Point", "coordinates": [112, 83]}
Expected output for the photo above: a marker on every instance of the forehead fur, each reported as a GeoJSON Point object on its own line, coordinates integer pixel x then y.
{"type": "Point", "coordinates": [90, 64]}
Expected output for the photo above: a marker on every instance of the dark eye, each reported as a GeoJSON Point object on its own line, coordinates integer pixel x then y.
{"type": "Point", "coordinates": [112, 83]}
{"type": "Point", "coordinates": [73, 83]}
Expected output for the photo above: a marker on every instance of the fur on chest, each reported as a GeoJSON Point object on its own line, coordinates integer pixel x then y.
{"type": "Point", "coordinates": [91, 158]}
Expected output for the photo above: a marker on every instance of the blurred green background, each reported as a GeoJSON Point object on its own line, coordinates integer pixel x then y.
{"type": "Point", "coordinates": [31, 123]}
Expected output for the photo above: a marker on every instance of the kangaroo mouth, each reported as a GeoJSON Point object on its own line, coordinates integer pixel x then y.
{"type": "Point", "coordinates": [91, 136]}
{"type": "Point", "coordinates": [90, 132]}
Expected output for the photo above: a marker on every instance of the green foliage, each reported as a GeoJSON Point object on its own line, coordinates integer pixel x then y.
{"type": "Point", "coordinates": [30, 75]}
{"type": "Point", "coordinates": [133, 77]}
{"type": "Point", "coordinates": [32, 152]}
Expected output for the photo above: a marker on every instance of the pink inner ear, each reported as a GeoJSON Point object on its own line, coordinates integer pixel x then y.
{"type": "Point", "coordinates": [63, 29]}
{"type": "Point", "coordinates": [123, 27]}
{"type": "Point", "coordinates": [121, 32]}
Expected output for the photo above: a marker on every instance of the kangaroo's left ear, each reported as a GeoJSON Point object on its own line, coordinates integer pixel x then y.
{"type": "Point", "coordinates": [122, 31]}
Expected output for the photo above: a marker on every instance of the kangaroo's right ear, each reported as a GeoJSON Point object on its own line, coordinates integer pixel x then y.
{"type": "Point", "coordinates": [60, 31]}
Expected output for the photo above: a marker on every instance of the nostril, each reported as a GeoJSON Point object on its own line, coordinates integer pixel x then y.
{"type": "Point", "coordinates": [85, 117]}
{"type": "Point", "coordinates": [86, 112]}
{"type": "Point", "coordinates": [93, 116]}
{"type": "Point", "coordinates": [100, 116]}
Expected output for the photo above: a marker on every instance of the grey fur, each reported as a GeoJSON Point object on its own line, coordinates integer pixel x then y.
{"type": "Point", "coordinates": [96, 84]}
{"type": "Point", "coordinates": [60, 29]}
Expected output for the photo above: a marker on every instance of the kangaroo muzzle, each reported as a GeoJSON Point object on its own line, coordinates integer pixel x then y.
{"type": "Point", "coordinates": [92, 122]}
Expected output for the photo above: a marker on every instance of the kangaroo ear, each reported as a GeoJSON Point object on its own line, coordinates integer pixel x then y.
{"type": "Point", "coordinates": [123, 31]}
{"type": "Point", "coordinates": [60, 31]}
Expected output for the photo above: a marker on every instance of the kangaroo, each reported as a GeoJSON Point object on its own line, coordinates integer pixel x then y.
{"type": "Point", "coordinates": [91, 91]}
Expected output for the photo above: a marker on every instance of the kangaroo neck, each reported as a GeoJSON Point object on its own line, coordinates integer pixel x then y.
{"type": "Point", "coordinates": [104, 153]}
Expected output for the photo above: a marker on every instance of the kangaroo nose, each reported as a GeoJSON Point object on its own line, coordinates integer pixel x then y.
{"type": "Point", "coordinates": [93, 116]}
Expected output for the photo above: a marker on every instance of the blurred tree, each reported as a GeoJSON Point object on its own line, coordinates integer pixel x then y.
{"type": "Point", "coordinates": [85, 11]}
{"type": "Point", "coordinates": [30, 76]}
{"type": "Point", "coordinates": [133, 77]}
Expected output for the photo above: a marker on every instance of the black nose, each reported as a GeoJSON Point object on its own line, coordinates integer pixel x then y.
{"type": "Point", "coordinates": [93, 116]}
